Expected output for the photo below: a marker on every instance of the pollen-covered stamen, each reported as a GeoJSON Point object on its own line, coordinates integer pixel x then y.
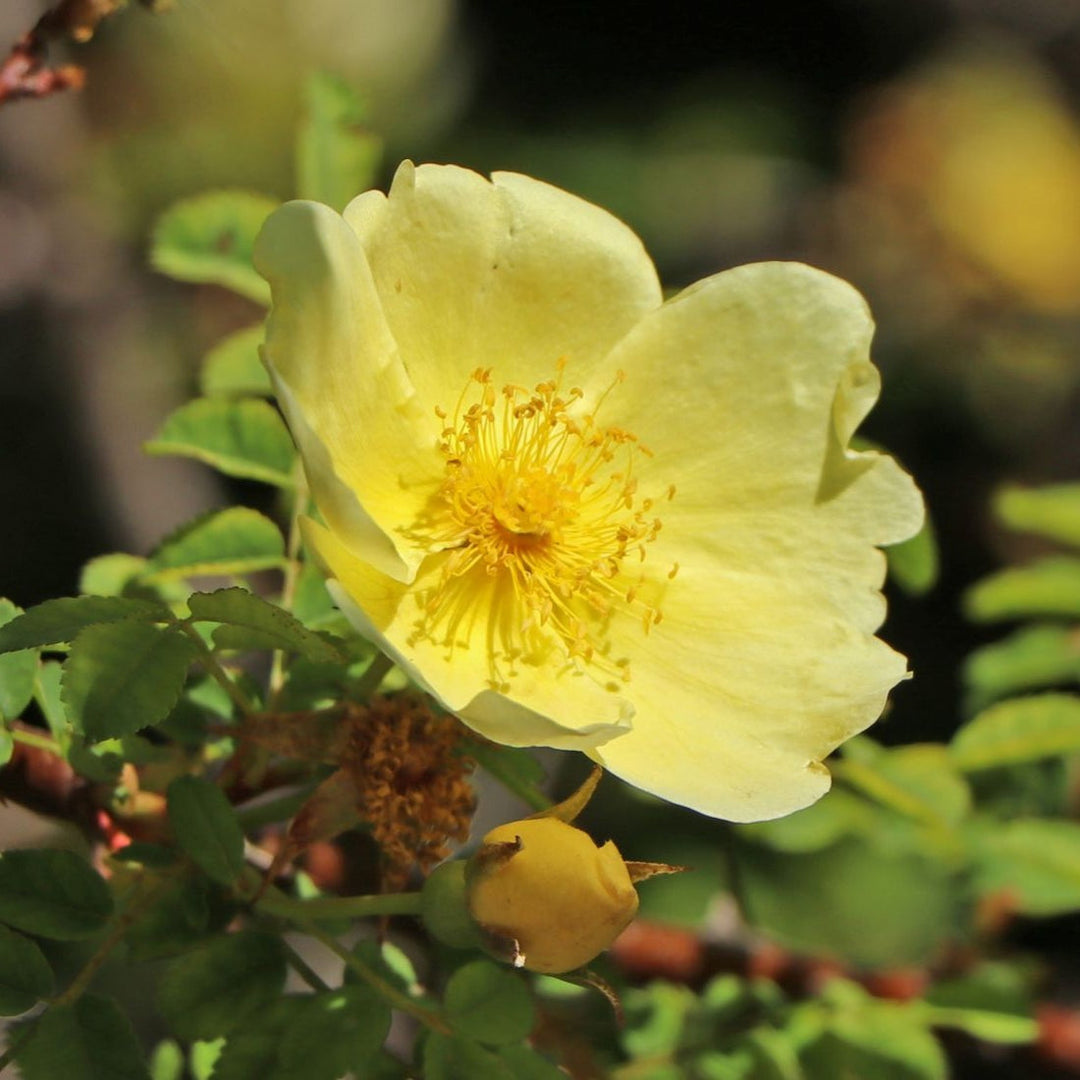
{"type": "Point", "coordinates": [540, 501]}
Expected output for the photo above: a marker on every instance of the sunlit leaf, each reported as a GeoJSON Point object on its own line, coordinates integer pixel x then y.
{"type": "Point", "coordinates": [336, 152]}
{"type": "Point", "coordinates": [919, 781]}
{"type": "Point", "coordinates": [245, 438]}
{"type": "Point", "coordinates": [1033, 658]}
{"type": "Point", "coordinates": [1035, 862]}
{"type": "Point", "coordinates": [232, 368]}
{"type": "Point", "coordinates": [108, 575]}
{"type": "Point", "coordinates": [1048, 588]}
{"type": "Point", "coordinates": [123, 676]}
{"type": "Point", "coordinates": [209, 239]}
{"type": "Point", "coordinates": [1053, 512]}
{"type": "Point", "coordinates": [237, 540]}
{"type": "Point", "coordinates": [251, 622]}
{"type": "Point", "coordinates": [991, 1026]}
{"type": "Point", "coordinates": [60, 620]}
{"type": "Point", "coordinates": [1022, 729]}
{"type": "Point", "coordinates": [17, 670]}
{"type": "Point", "coordinates": [914, 563]}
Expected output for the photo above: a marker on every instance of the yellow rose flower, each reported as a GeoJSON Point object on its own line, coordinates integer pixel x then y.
{"type": "Point", "coordinates": [577, 515]}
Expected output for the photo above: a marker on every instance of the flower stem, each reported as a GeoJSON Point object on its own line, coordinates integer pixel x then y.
{"type": "Point", "coordinates": [39, 742]}
{"type": "Point", "coordinates": [274, 902]}
{"type": "Point", "coordinates": [140, 897]}
{"type": "Point", "coordinates": [216, 671]}
{"type": "Point", "coordinates": [372, 678]}
{"type": "Point", "coordinates": [304, 969]}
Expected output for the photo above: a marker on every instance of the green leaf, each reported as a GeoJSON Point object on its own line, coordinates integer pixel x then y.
{"type": "Point", "coordinates": [914, 563]}
{"type": "Point", "coordinates": [1050, 587]}
{"type": "Point", "coordinates": [180, 918]}
{"type": "Point", "coordinates": [206, 828]}
{"type": "Point", "coordinates": [218, 987]}
{"type": "Point", "coordinates": [61, 620]}
{"type": "Point", "coordinates": [237, 540]}
{"type": "Point", "coordinates": [488, 1003]}
{"type": "Point", "coordinates": [1035, 862]}
{"type": "Point", "coordinates": [109, 575]}
{"type": "Point", "coordinates": [990, 1026]}
{"type": "Point", "coordinates": [996, 986]}
{"type": "Point", "coordinates": [123, 676]}
{"type": "Point", "coordinates": [335, 1033]}
{"type": "Point", "coordinates": [47, 696]}
{"type": "Point", "coordinates": [919, 781]}
{"type": "Point", "coordinates": [245, 438]}
{"type": "Point", "coordinates": [657, 1015]}
{"type": "Point", "coordinates": [223, 542]}
{"type": "Point", "coordinates": [856, 901]}
{"type": "Point", "coordinates": [251, 622]}
{"type": "Point", "coordinates": [167, 1061]}
{"type": "Point", "coordinates": [449, 1058]}
{"type": "Point", "coordinates": [53, 894]}
{"type": "Point", "coordinates": [1019, 730]}
{"type": "Point", "coordinates": [17, 670]}
{"type": "Point", "coordinates": [839, 813]}
{"type": "Point", "coordinates": [209, 239]}
{"type": "Point", "coordinates": [869, 1038]}
{"type": "Point", "coordinates": [89, 1040]}
{"type": "Point", "coordinates": [1032, 658]}
{"type": "Point", "coordinates": [25, 975]}
{"type": "Point", "coordinates": [336, 153]}
{"type": "Point", "coordinates": [1053, 512]}
{"type": "Point", "coordinates": [517, 769]}
{"type": "Point", "coordinates": [203, 1057]}
{"type": "Point", "coordinates": [7, 746]}
{"type": "Point", "coordinates": [528, 1064]}
{"type": "Point", "coordinates": [232, 368]}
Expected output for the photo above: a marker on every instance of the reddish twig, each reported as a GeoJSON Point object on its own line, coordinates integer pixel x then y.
{"type": "Point", "coordinates": [25, 73]}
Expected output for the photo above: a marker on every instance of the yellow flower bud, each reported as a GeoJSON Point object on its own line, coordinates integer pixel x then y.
{"type": "Point", "coordinates": [550, 893]}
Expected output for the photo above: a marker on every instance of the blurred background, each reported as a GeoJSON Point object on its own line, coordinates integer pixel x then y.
{"type": "Point", "coordinates": [926, 150]}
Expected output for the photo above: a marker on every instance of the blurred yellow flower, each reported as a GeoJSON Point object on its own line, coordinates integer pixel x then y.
{"type": "Point", "coordinates": [984, 145]}
{"type": "Point", "coordinates": [577, 515]}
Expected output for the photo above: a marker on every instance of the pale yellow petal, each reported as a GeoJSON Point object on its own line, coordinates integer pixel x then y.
{"type": "Point", "coordinates": [741, 690]}
{"type": "Point", "coordinates": [746, 388]}
{"type": "Point", "coordinates": [342, 387]}
{"type": "Point", "coordinates": [510, 274]}
{"type": "Point", "coordinates": [543, 703]}
{"type": "Point", "coordinates": [765, 658]}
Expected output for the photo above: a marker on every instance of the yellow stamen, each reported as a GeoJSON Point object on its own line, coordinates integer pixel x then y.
{"type": "Point", "coordinates": [536, 516]}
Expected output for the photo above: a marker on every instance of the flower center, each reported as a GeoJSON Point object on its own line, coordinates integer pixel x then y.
{"type": "Point", "coordinates": [537, 515]}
